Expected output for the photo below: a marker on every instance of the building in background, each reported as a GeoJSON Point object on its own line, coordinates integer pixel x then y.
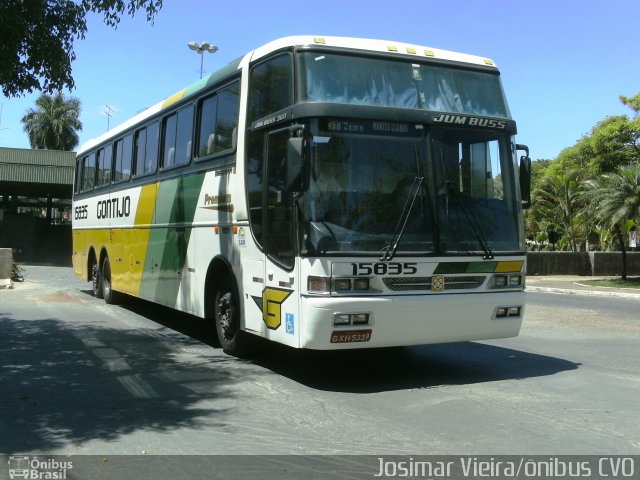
{"type": "Point", "coordinates": [35, 204]}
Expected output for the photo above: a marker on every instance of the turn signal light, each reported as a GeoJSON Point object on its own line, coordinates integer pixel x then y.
{"type": "Point", "coordinates": [318, 284]}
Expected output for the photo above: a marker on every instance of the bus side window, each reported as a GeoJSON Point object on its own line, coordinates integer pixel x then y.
{"type": "Point", "coordinates": [227, 118]}
{"type": "Point", "coordinates": [152, 147]}
{"type": "Point", "coordinates": [169, 135]}
{"type": "Point", "coordinates": [177, 134]}
{"type": "Point", "coordinates": [184, 135]}
{"type": "Point", "coordinates": [141, 143]}
{"type": "Point", "coordinates": [207, 136]}
{"type": "Point", "coordinates": [122, 159]}
{"type": "Point", "coordinates": [78, 179]}
{"type": "Point", "coordinates": [146, 152]}
{"type": "Point", "coordinates": [218, 121]}
{"type": "Point", "coordinates": [88, 172]}
{"type": "Point", "coordinates": [104, 165]}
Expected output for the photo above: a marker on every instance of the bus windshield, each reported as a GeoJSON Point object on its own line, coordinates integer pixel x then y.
{"type": "Point", "coordinates": [363, 181]}
{"type": "Point", "coordinates": [335, 78]}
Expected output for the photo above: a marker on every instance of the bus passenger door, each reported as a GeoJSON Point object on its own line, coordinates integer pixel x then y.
{"type": "Point", "coordinates": [280, 297]}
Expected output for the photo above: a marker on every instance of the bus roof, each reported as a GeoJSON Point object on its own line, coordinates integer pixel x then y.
{"type": "Point", "coordinates": [382, 46]}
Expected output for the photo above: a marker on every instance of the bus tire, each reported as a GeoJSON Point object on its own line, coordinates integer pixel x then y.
{"type": "Point", "coordinates": [108, 294]}
{"type": "Point", "coordinates": [227, 319]}
{"type": "Point", "coordinates": [96, 280]}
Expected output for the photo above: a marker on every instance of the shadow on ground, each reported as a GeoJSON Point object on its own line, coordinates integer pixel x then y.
{"type": "Point", "coordinates": [62, 384]}
{"type": "Point", "coordinates": [376, 370]}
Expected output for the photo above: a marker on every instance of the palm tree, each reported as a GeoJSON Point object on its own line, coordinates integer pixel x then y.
{"type": "Point", "coordinates": [558, 198]}
{"type": "Point", "coordinates": [615, 200]}
{"type": "Point", "coordinates": [54, 123]}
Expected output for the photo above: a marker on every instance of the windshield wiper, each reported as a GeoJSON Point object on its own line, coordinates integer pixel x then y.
{"type": "Point", "coordinates": [389, 251]}
{"type": "Point", "coordinates": [473, 224]}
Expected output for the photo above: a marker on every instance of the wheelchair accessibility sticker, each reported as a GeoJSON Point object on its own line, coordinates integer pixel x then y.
{"type": "Point", "coordinates": [289, 323]}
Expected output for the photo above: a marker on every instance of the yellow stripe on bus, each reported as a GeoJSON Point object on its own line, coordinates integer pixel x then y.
{"type": "Point", "coordinates": [509, 267]}
{"type": "Point", "coordinates": [173, 98]}
{"type": "Point", "coordinates": [138, 239]}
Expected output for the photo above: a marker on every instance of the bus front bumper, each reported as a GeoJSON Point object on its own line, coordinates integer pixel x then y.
{"type": "Point", "coordinates": [409, 320]}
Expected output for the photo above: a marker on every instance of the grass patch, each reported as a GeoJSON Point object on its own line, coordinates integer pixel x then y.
{"type": "Point", "coordinates": [630, 282]}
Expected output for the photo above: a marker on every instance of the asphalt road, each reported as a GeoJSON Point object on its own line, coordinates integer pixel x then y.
{"type": "Point", "coordinates": [78, 377]}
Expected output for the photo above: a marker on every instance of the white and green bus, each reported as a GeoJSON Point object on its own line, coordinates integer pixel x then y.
{"type": "Point", "coordinates": [320, 192]}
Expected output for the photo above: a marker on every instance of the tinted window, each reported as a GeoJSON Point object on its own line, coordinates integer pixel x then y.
{"type": "Point", "coordinates": [373, 81]}
{"type": "Point", "coordinates": [255, 181]}
{"type": "Point", "coordinates": [141, 145]}
{"type": "Point", "coordinates": [178, 131]}
{"type": "Point", "coordinates": [270, 87]}
{"type": "Point", "coordinates": [88, 172]}
{"type": "Point", "coordinates": [218, 121]}
{"type": "Point", "coordinates": [169, 158]}
{"type": "Point", "coordinates": [228, 109]}
{"type": "Point", "coordinates": [78, 177]}
{"type": "Point", "coordinates": [208, 112]}
{"type": "Point", "coordinates": [151, 151]}
{"type": "Point", "coordinates": [104, 165]}
{"type": "Point", "coordinates": [122, 159]}
{"type": "Point", "coordinates": [147, 149]}
{"type": "Point", "coordinates": [279, 224]}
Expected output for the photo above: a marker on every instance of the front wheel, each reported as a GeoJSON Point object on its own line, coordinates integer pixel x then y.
{"type": "Point", "coordinates": [227, 318]}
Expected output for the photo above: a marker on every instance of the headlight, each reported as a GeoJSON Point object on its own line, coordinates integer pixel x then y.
{"type": "Point", "coordinates": [507, 281]}
{"type": "Point", "coordinates": [500, 281]}
{"type": "Point", "coordinates": [515, 280]}
{"type": "Point", "coordinates": [342, 284]}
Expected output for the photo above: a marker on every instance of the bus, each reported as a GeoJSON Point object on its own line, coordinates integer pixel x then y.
{"type": "Point", "coordinates": [319, 192]}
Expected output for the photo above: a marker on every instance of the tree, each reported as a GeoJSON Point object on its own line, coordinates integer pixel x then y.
{"type": "Point", "coordinates": [36, 39]}
{"type": "Point", "coordinates": [614, 199]}
{"type": "Point", "coordinates": [614, 141]}
{"type": "Point", "coordinates": [558, 199]}
{"type": "Point", "coordinates": [54, 123]}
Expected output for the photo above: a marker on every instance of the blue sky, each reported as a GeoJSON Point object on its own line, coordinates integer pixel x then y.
{"type": "Point", "coordinates": [563, 62]}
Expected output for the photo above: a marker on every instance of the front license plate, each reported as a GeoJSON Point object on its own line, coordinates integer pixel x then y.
{"type": "Point", "coordinates": [349, 336]}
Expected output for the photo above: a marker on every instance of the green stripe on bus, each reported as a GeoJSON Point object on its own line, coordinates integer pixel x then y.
{"type": "Point", "coordinates": [176, 204]}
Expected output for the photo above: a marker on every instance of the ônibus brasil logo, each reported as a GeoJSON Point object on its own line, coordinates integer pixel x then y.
{"type": "Point", "coordinates": [21, 466]}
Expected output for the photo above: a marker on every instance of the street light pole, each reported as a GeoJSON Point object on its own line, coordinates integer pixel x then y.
{"type": "Point", "coordinates": [200, 48]}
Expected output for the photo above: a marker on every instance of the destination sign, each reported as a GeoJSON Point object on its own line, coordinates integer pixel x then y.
{"type": "Point", "coordinates": [373, 127]}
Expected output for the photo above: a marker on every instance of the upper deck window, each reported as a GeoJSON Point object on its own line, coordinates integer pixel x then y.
{"type": "Point", "coordinates": [271, 87]}
{"type": "Point", "coordinates": [401, 84]}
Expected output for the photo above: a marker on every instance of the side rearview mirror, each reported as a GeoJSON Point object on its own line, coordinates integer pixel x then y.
{"type": "Point", "coordinates": [295, 162]}
{"type": "Point", "coordinates": [525, 176]}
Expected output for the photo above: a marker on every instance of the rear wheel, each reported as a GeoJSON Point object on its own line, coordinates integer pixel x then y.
{"type": "Point", "coordinates": [108, 294]}
{"type": "Point", "coordinates": [96, 280]}
{"type": "Point", "coordinates": [227, 319]}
